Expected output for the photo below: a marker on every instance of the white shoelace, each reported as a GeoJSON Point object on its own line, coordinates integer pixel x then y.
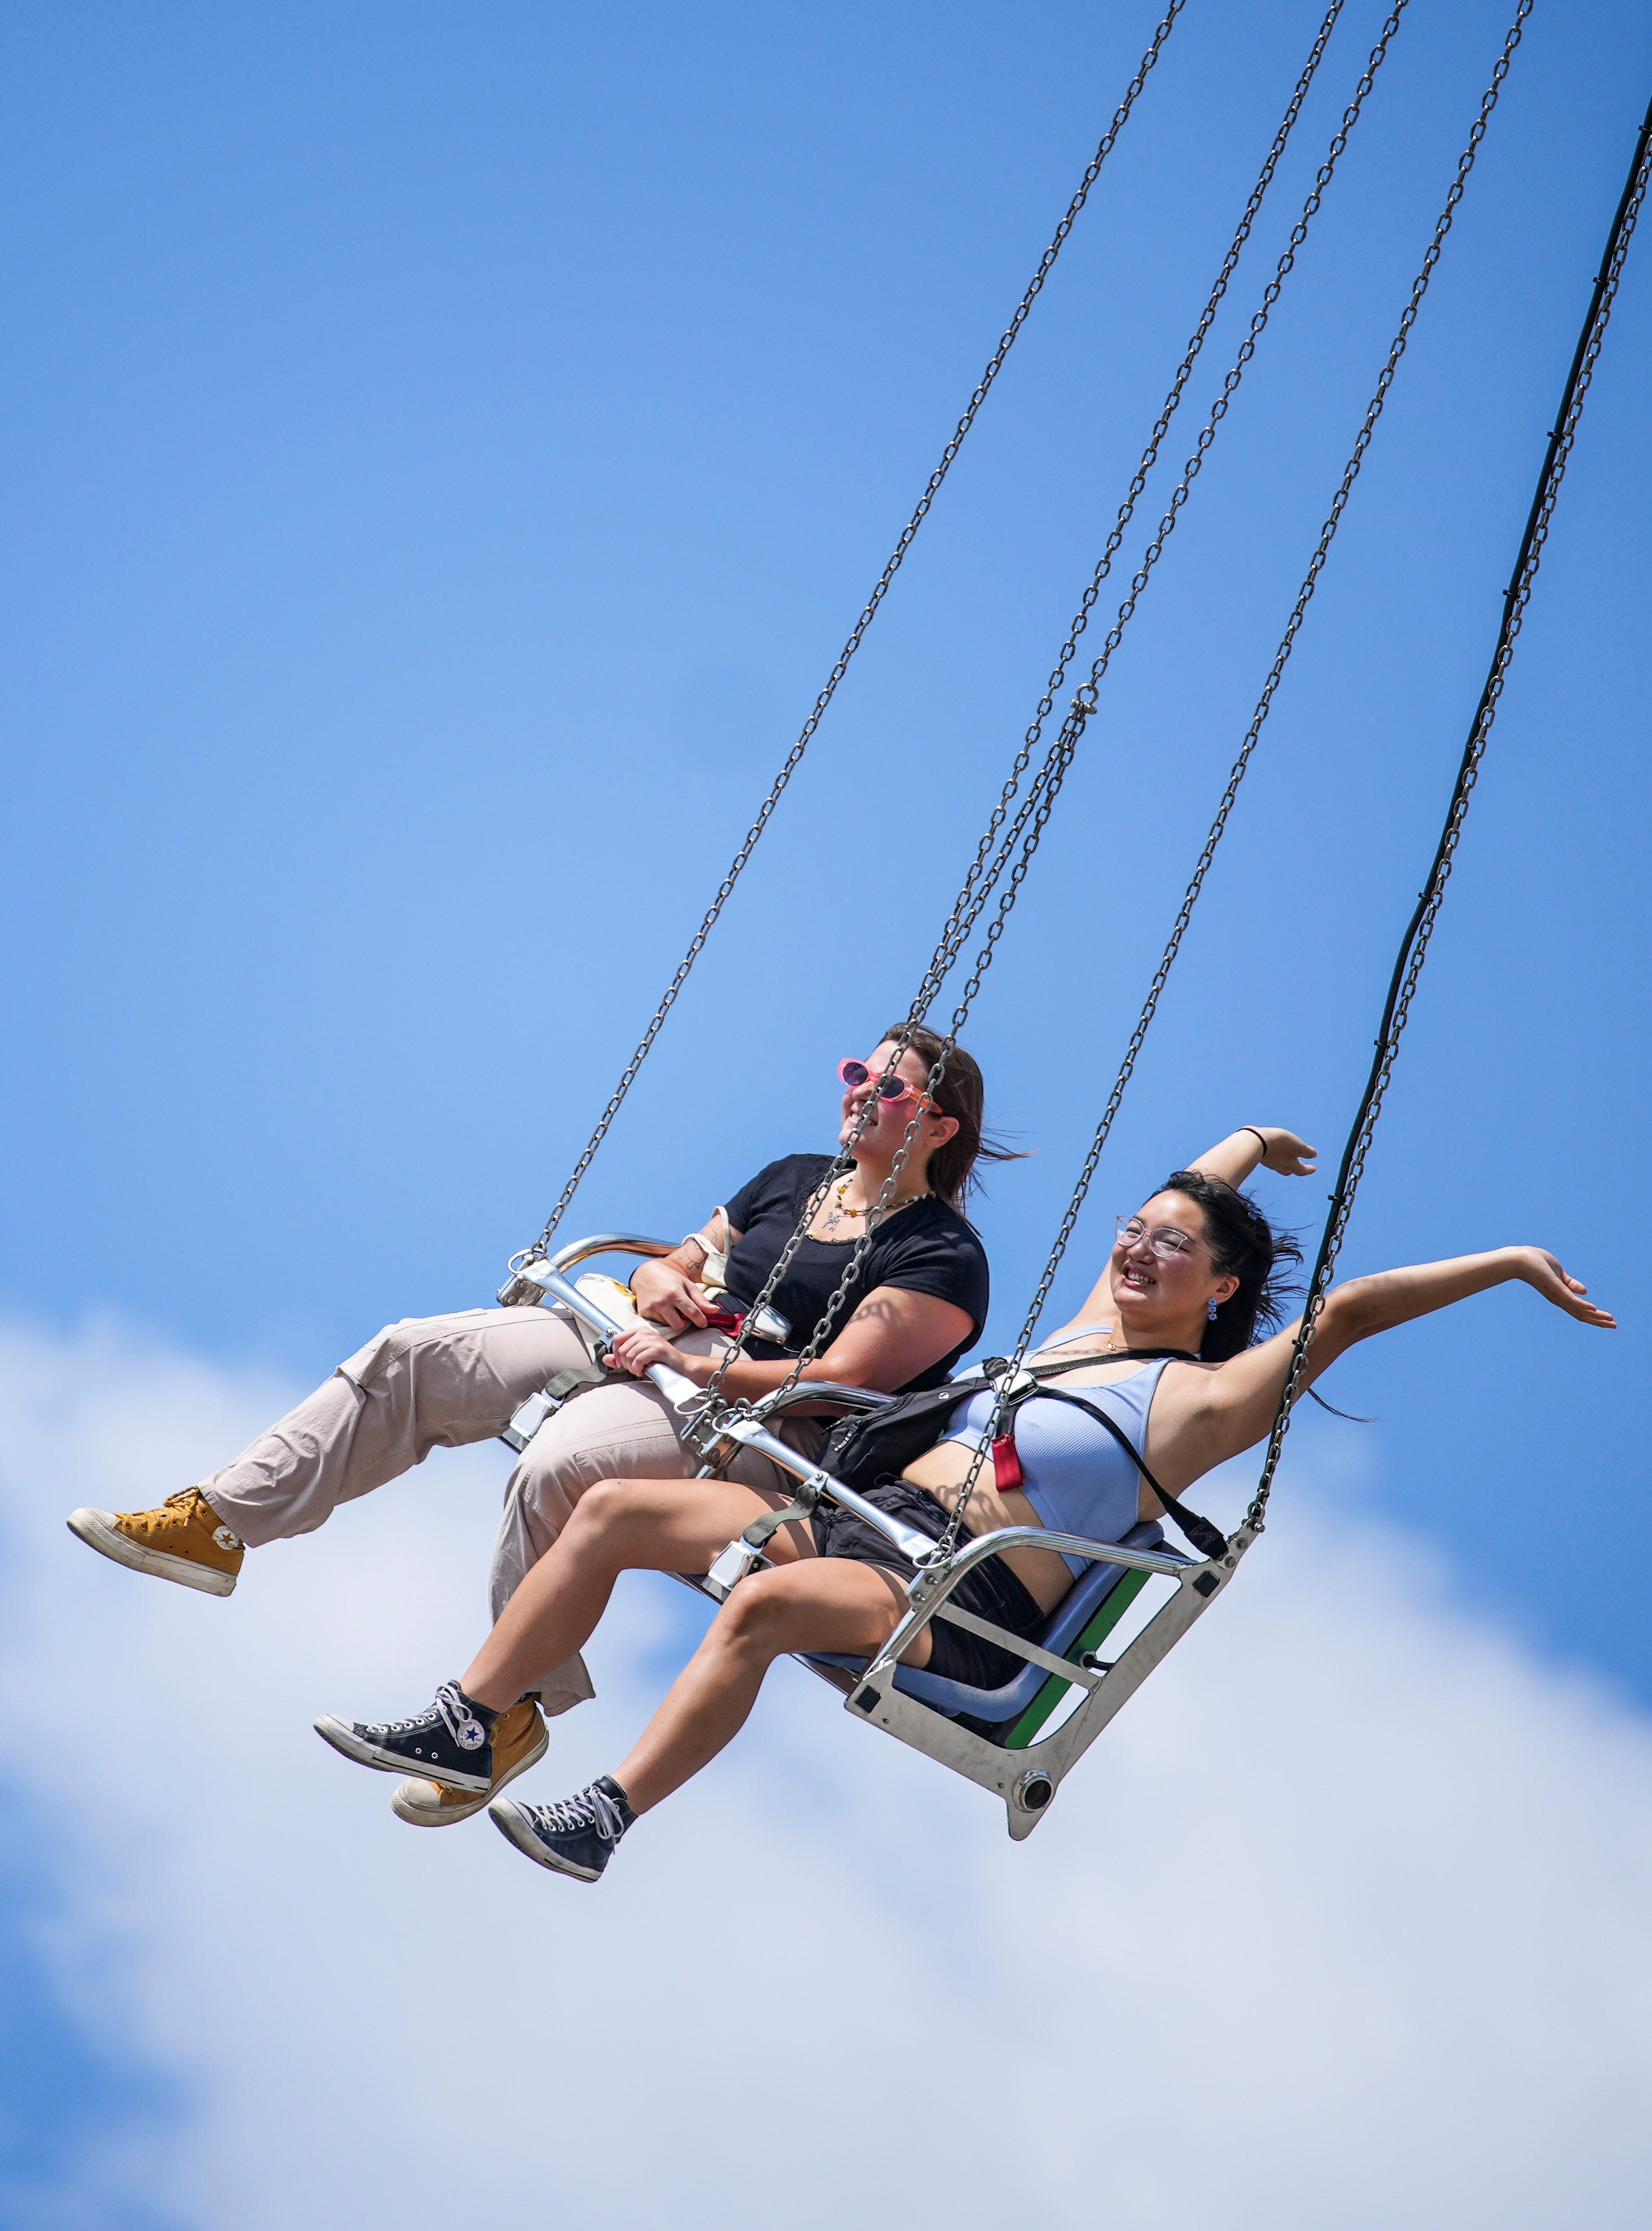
{"type": "Point", "coordinates": [451, 1709]}
{"type": "Point", "coordinates": [592, 1808]}
{"type": "Point", "coordinates": [461, 1722]}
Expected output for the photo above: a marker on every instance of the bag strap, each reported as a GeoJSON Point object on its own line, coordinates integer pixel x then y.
{"type": "Point", "coordinates": [1199, 1531]}
{"type": "Point", "coordinates": [986, 1376]}
{"type": "Point", "coordinates": [1053, 1366]}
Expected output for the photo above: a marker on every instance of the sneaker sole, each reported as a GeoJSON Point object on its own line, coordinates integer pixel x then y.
{"type": "Point", "coordinates": [342, 1735]}
{"type": "Point", "coordinates": [96, 1530]}
{"type": "Point", "coordinates": [431, 1816]}
{"type": "Point", "coordinates": [512, 1823]}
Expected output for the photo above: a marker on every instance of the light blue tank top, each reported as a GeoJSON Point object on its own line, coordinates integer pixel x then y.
{"type": "Point", "coordinates": [1074, 1474]}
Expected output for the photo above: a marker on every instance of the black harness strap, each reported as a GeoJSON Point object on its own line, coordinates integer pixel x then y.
{"type": "Point", "coordinates": [1205, 1538]}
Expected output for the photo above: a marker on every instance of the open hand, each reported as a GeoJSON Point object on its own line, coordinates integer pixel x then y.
{"type": "Point", "coordinates": [1284, 1152]}
{"type": "Point", "coordinates": [1543, 1271]}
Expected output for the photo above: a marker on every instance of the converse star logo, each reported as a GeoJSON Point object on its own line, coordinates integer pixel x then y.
{"type": "Point", "coordinates": [225, 1539]}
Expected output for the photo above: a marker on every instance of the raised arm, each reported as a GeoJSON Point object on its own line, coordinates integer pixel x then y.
{"type": "Point", "coordinates": [1202, 1418]}
{"type": "Point", "coordinates": [1254, 1145]}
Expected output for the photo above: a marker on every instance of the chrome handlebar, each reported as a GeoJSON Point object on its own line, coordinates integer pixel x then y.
{"type": "Point", "coordinates": [685, 1397]}
{"type": "Point", "coordinates": [606, 1242]}
{"type": "Point", "coordinates": [526, 1283]}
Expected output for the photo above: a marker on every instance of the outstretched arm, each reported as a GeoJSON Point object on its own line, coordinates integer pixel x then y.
{"type": "Point", "coordinates": [1254, 1145]}
{"type": "Point", "coordinates": [1200, 1419]}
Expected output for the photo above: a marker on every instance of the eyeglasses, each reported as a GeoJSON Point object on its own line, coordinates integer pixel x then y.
{"type": "Point", "coordinates": [1166, 1242]}
{"type": "Point", "coordinates": [891, 1088]}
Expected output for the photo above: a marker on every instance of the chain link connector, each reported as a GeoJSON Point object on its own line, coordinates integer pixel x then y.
{"type": "Point", "coordinates": [1084, 701]}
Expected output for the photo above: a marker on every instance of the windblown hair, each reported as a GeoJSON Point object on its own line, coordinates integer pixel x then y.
{"type": "Point", "coordinates": [1244, 1246]}
{"type": "Point", "coordinates": [962, 1096]}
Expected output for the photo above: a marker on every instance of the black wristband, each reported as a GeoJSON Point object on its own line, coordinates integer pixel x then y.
{"type": "Point", "coordinates": [1257, 1136]}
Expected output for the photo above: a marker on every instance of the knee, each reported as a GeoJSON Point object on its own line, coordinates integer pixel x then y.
{"type": "Point", "coordinates": [601, 1505]}
{"type": "Point", "coordinates": [607, 1510]}
{"type": "Point", "coordinates": [759, 1613]}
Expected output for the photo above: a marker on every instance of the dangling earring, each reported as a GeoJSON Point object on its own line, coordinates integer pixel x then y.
{"type": "Point", "coordinates": [1210, 1308]}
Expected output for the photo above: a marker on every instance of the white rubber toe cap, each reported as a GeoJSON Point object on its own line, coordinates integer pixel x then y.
{"type": "Point", "coordinates": [98, 1530]}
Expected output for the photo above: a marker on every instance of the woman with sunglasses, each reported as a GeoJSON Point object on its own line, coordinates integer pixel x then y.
{"type": "Point", "coordinates": [1167, 1346]}
{"type": "Point", "coordinates": [443, 1381]}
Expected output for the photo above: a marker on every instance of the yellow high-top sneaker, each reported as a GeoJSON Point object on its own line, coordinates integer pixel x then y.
{"type": "Point", "coordinates": [520, 1740]}
{"type": "Point", "coordinates": [185, 1541]}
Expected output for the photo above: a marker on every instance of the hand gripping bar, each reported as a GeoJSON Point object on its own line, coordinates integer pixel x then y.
{"type": "Point", "coordinates": [686, 1397]}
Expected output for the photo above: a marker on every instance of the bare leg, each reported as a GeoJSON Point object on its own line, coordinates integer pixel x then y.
{"type": "Point", "coordinates": [825, 1603]}
{"type": "Point", "coordinates": [620, 1525]}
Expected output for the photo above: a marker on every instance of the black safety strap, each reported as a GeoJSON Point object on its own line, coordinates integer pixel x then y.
{"type": "Point", "coordinates": [576, 1381]}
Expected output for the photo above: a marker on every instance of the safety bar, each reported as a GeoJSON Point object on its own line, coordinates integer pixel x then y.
{"type": "Point", "coordinates": [679, 1389]}
{"type": "Point", "coordinates": [685, 1395]}
{"type": "Point", "coordinates": [917, 1548]}
{"type": "Point", "coordinates": [932, 1587]}
{"type": "Point", "coordinates": [607, 1242]}
{"type": "Point", "coordinates": [1064, 1545]}
{"type": "Point", "coordinates": [766, 1324]}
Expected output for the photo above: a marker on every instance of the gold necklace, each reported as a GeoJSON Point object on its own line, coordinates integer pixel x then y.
{"type": "Point", "coordinates": [838, 1212]}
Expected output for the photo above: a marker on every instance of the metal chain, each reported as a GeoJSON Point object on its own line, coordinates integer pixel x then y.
{"type": "Point", "coordinates": [1033, 816]}
{"type": "Point", "coordinates": [1036, 807]}
{"type": "Point", "coordinates": [793, 758]}
{"type": "Point", "coordinates": [1264, 705]}
{"type": "Point", "coordinates": [1275, 675]}
{"type": "Point", "coordinates": [954, 927]}
{"type": "Point", "coordinates": [1414, 946]}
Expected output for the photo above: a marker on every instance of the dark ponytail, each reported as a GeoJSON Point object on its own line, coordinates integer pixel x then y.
{"type": "Point", "coordinates": [1243, 1245]}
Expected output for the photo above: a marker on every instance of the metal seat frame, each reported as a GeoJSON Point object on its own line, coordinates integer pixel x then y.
{"type": "Point", "coordinates": [1027, 1779]}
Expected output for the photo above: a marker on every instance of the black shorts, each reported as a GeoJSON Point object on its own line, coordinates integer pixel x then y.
{"type": "Point", "coordinates": [991, 1591]}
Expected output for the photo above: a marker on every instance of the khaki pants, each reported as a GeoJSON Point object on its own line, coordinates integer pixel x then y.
{"type": "Point", "coordinates": [440, 1382]}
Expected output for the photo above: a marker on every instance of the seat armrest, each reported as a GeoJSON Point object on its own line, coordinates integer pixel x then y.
{"type": "Point", "coordinates": [519, 1288]}
{"type": "Point", "coordinates": [608, 1242]}
{"type": "Point", "coordinates": [980, 1546]}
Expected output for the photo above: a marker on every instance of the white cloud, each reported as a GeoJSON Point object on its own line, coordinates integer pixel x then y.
{"type": "Point", "coordinates": [1345, 1922]}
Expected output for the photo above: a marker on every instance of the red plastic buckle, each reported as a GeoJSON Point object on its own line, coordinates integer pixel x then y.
{"type": "Point", "coordinates": [725, 1321]}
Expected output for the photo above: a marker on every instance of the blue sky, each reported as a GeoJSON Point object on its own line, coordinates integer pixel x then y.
{"type": "Point", "coordinates": [443, 452]}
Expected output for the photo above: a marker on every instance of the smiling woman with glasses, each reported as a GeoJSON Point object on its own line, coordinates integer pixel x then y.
{"type": "Point", "coordinates": [1165, 1240]}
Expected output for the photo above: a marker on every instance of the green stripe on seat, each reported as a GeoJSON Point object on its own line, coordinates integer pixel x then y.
{"type": "Point", "coordinates": [1109, 1612]}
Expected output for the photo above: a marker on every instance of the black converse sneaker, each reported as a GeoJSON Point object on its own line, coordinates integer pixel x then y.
{"type": "Point", "coordinates": [450, 1743]}
{"type": "Point", "coordinates": [575, 1837]}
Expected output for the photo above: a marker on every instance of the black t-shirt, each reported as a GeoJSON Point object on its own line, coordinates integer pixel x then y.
{"type": "Point", "coordinates": [926, 1248]}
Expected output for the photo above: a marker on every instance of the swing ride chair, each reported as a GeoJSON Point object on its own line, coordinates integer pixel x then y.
{"type": "Point", "coordinates": [1023, 1739]}
{"type": "Point", "coordinates": [1019, 1740]}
